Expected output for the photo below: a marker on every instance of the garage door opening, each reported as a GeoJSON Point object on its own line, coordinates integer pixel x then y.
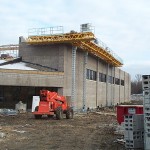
{"type": "Point", "coordinates": [11, 95]}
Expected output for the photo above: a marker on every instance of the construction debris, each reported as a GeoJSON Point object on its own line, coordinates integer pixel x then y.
{"type": "Point", "coordinates": [20, 107]}
{"type": "Point", "coordinates": [8, 112]}
{"type": "Point", "coordinates": [19, 131]}
{"type": "Point", "coordinates": [2, 135]}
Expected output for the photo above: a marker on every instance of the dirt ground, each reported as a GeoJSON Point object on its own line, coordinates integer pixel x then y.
{"type": "Point", "coordinates": [92, 131]}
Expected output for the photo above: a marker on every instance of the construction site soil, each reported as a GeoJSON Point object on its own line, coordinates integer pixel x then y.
{"type": "Point", "coordinates": [92, 131]}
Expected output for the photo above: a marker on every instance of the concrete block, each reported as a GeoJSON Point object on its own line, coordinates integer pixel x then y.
{"type": "Point", "coordinates": [132, 144]}
{"type": "Point", "coordinates": [146, 101]}
{"type": "Point", "coordinates": [133, 135]}
{"type": "Point", "coordinates": [134, 122]}
{"type": "Point", "coordinates": [146, 106]}
{"type": "Point", "coordinates": [147, 119]}
{"type": "Point", "coordinates": [147, 141]}
{"type": "Point", "coordinates": [147, 109]}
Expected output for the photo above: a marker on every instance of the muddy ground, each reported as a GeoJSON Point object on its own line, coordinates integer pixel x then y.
{"type": "Point", "coordinates": [92, 131]}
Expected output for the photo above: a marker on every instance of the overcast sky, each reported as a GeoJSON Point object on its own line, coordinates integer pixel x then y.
{"type": "Point", "coordinates": [124, 25]}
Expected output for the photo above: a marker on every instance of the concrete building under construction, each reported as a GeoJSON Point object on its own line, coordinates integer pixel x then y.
{"type": "Point", "coordinates": [74, 64]}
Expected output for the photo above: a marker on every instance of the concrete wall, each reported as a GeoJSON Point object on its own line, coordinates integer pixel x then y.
{"type": "Point", "coordinates": [67, 71]}
{"type": "Point", "coordinates": [97, 93]}
{"type": "Point", "coordinates": [31, 78]}
{"type": "Point", "coordinates": [46, 55]}
{"type": "Point", "coordinates": [59, 56]}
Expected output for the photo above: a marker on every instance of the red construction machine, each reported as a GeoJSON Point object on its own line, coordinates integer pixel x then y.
{"type": "Point", "coordinates": [52, 104]}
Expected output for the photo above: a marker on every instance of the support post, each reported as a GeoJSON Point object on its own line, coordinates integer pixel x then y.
{"type": "Point", "coordinates": [73, 89]}
{"type": "Point", "coordinates": [119, 86]}
{"type": "Point", "coordinates": [107, 85]}
{"type": "Point", "coordinates": [113, 86]}
{"type": "Point", "coordinates": [114, 96]}
{"type": "Point", "coordinates": [84, 80]}
{"type": "Point", "coordinates": [97, 82]}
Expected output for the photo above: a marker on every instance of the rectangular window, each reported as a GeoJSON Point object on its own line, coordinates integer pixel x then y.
{"type": "Point", "coordinates": [102, 77]}
{"type": "Point", "coordinates": [122, 82]}
{"type": "Point", "coordinates": [88, 74]}
{"type": "Point", "coordinates": [113, 80]}
{"type": "Point", "coordinates": [94, 75]}
{"type": "Point", "coordinates": [91, 75]}
{"type": "Point", "coordinates": [110, 79]}
{"type": "Point", "coordinates": [117, 81]}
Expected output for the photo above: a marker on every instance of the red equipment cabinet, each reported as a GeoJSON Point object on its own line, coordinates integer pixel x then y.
{"type": "Point", "coordinates": [123, 110]}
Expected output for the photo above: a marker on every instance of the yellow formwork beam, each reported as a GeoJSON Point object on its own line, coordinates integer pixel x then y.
{"type": "Point", "coordinates": [81, 40]}
{"type": "Point", "coordinates": [64, 38]}
{"type": "Point", "coordinates": [98, 51]}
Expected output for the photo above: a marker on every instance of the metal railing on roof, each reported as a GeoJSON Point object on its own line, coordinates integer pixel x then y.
{"type": "Point", "coordinates": [84, 40]}
{"type": "Point", "coordinates": [46, 31]}
{"type": "Point", "coordinates": [106, 48]}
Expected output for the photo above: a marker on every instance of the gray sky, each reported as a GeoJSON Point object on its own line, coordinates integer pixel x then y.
{"type": "Point", "coordinates": [124, 25]}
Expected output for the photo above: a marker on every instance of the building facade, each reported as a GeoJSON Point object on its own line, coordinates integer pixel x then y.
{"type": "Point", "coordinates": [85, 79]}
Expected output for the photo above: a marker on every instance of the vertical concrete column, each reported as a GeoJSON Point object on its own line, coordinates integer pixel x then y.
{"type": "Point", "coordinates": [73, 87]}
{"type": "Point", "coordinates": [85, 59]}
{"type": "Point", "coordinates": [119, 85]}
{"type": "Point", "coordinates": [97, 82]}
{"type": "Point", "coordinates": [129, 89]}
{"type": "Point", "coordinates": [114, 86]}
{"type": "Point", "coordinates": [124, 87]}
{"type": "Point", "coordinates": [107, 84]}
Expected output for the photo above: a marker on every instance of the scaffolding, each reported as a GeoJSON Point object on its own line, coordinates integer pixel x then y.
{"type": "Point", "coordinates": [64, 38]}
{"type": "Point", "coordinates": [83, 40]}
{"type": "Point", "coordinates": [11, 49]}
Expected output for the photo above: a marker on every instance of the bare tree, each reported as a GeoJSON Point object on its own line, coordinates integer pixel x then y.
{"type": "Point", "coordinates": [136, 85]}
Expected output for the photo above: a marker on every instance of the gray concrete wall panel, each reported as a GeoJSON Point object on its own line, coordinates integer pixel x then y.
{"type": "Point", "coordinates": [46, 55]}
{"type": "Point", "coordinates": [102, 94]}
{"type": "Point", "coordinates": [92, 62]}
{"type": "Point", "coordinates": [117, 95]}
{"type": "Point", "coordinates": [67, 71]}
{"type": "Point", "coordinates": [26, 79]}
{"type": "Point", "coordinates": [91, 94]}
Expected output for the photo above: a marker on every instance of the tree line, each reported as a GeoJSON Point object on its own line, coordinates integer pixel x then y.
{"type": "Point", "coordinates": [136, 85]}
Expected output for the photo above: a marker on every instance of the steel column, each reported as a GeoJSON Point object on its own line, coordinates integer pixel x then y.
{"type": "Point", "coordinates": [73, 89]}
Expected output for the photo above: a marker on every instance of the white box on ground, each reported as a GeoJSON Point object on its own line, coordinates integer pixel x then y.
{"type": "Point", "coordinates": [35, 102]}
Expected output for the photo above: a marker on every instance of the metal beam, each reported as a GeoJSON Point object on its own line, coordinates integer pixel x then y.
{"type": "Point", "coordinates": [64, 38]}
{"type": "Point", "coordinates": [9, 47]}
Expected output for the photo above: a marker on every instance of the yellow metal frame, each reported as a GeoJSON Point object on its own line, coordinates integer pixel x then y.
{"type": "Point", "coordinates": [98, 51]}
{"type": "Point", "coordinates": [81, 40]}
{"type": "Point", "coordinates": [64, 38]}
